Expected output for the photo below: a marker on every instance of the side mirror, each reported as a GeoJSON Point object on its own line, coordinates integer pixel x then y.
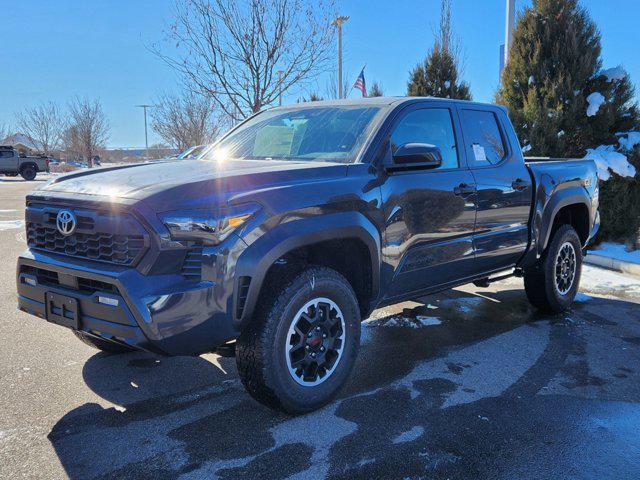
{"type": "Point", "coordinates": [416, 156]}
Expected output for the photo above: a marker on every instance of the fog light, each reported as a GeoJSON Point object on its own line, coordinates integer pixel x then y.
{"type": "Point", "coordinates": [112, 302]}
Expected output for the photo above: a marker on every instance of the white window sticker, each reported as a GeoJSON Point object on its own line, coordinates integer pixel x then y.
{"type": "Point", "coordinates": [478, 151]}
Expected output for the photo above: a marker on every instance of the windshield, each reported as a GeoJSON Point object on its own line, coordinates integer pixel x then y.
{"type": "Point", "coordinates": [331, 133]}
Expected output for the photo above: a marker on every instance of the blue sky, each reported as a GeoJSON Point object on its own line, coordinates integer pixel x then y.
{"type": "Point", "coordinates": [53, 50]}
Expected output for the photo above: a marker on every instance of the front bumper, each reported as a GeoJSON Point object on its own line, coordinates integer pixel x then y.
{"type": "Point", "coordinates": [164, 314]}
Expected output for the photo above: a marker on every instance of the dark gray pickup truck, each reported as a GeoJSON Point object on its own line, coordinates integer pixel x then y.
{"type": "Point", "coordinates": [13, 163]}
{"type": "Point", "coordinates": [288, 232]}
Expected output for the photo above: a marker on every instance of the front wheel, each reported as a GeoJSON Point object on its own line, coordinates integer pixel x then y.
{"type": "Point", "coordinates": [552, 285]}
{"type": "Point", "coordinates": [301, 347]}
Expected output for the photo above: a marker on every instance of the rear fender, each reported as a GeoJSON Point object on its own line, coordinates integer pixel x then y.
{"type": "Point", "coordinates": [546, 213]}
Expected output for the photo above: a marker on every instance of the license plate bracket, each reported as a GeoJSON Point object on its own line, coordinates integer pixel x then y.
{"type": "Point", "coordinates": [62, 310]}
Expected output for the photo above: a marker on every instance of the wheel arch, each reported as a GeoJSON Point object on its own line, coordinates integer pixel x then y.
{"type": "Point", "coordinates": [572, 209]}
{"type": "Point", "coordinates": [347, 242]}
{"type": "Point", "coordinates": [28, 164]}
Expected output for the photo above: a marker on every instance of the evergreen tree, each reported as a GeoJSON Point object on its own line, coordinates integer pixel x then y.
{"type": "Point", "coordinates": [562, 103]}
{"type": "Point", "coordinates": [375, 90]}
{"type": "Point", "coordinates": [437, 75]}
{"type": "Point", "coordinates": [553, 67]}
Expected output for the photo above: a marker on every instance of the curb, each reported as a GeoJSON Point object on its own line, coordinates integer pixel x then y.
{"type": "Point", "coordinates": [612, 264]}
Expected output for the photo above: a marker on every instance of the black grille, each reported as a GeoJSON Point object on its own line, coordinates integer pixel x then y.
{"type": "Point", "coordinates": [99, 235]}
{"type": "Point", "coordinates": [120, 249]}
{"type": "Point", "coordinates": [44, 277]}
{"type": "Point", "coordinates": [91, 286]}
{"type": "Point", "coordinates": [85, 285]}
{"type": "Point", "coordinates": [192, 265]}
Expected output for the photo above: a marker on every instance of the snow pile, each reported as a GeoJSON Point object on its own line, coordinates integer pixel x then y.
{"type": "Point", "coordinates": [617, 251]}
{"type": "Point", "coordinates": [628, 140]}
{"type": "Point", "coordinates": [606, 158]}
{"type": "Point", "coordinates": [614, 74]}
{"type": "Point", "coordinates": [595, 100]}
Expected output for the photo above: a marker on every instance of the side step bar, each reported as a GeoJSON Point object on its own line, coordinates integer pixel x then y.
{"type": "Point", "coordinates": [485, 282]}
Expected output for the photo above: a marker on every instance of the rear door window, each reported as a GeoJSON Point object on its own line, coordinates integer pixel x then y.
{"type": "Point", "coordinates": [484, 140]}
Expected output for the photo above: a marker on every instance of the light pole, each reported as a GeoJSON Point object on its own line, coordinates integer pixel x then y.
{"type": "Point", "coordinates": [338, 23]}
{"type": "Point", "coordinates": [146, 138]}
{"type": "Point", "coordinates": [279, 73]}
{"type": "Point", "coordinates": [510, 25]}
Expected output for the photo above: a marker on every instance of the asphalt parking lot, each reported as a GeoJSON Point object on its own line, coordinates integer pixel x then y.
{"type": "Point", "coordinates": [468, 384]}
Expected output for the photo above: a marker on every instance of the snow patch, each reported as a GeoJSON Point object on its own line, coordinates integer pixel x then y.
{"type": "Point", "coordinates": [526, 148]}
{"type": "Point", "coordinates": [628, 140]}
{"type": "Point", "coordinates": [582, 297]}
{"type": "Point", "coordinates": [614, 74]}
{"type": "Point", "coordinates": [531, 80]}
{"type": "Point", "coordinates": [409, 436]}
{"type": "Point", "coordinates": [595, 100]}
{"type": "Point", "coordinates": [560, 133]}
{"type": "Point", "coordinates": [617, 251]}
{"type": "Point", "coordinates": [426, 321]}
{"type": "Point", "coordinates": [606, 158]}
{"type": "Point", "coordinates": [11, 224]}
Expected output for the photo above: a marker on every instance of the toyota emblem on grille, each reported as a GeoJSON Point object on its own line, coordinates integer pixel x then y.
{"type": "Point", "coordinates": [66, 222]}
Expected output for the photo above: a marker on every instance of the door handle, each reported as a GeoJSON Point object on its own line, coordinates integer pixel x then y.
{"type": "Point", "coordinates": [464, 189]}
{"type": "Point", "coordinates": [519, 184]}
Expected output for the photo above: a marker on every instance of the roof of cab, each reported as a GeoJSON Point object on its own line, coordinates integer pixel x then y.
{"type": "Point", "coordinates": [378, 101]}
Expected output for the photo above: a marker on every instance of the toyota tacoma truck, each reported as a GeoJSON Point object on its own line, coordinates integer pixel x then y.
{"type": "Point", "coordinates": [13, 163]}
{"type": "Point", "coordinates": [290, 230]}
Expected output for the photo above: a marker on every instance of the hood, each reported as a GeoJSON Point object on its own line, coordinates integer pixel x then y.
{"type": "Point", "coordinates": [172, 181]}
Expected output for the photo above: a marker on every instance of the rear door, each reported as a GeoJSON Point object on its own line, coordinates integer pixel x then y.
{"type": "Point", "coordinates": [429, 214]}
{"type": "Point", "coordinates": [504, 187]}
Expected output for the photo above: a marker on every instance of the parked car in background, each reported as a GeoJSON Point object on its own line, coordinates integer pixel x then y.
{"type": "Point", "coordinates": [278, 241]}
{"type": "Point", "coordinates": [13, 164]}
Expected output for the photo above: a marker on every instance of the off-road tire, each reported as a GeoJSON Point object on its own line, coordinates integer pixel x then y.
{"type": "Point", "coordinates": [104, 345]}
{"type": "Point", "coordinates": [540, 281]}
{"type": "Point", "coordinates": [261, 354]}
{"type": "Point", "coordinates": [28, 173]}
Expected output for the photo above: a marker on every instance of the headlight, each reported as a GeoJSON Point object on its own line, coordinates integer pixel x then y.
{"type": "Point", "coordinates": [209, 227]}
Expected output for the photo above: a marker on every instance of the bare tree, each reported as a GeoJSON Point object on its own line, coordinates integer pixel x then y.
{"type": "Point", "coordinates": [70, 143]}
{"type": "Point", "coordinates": [232, 49]}
{"type": "Point", "coordinates": [185, 120]}
{"type": "Point", "coordinates": [4, 131]}
{"type": "Point", "coordinates": [331, 90]}
{"type": "Point", "coordinates": [89, 125]}
{"type": "Point", "coordinates": [43, 125]}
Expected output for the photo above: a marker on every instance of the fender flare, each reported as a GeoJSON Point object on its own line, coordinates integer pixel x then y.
{"type": "Point", "coordinates": [561, 199]}
{"type": "Point", "coordinates": [28, 164]}
{"type": "Point", "coordinates": [256, 260]}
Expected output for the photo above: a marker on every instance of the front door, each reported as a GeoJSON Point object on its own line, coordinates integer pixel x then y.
{"type": "Point", "coordinates": [430, 214]}
{"type": "Point", "coordinates": [8, 161]}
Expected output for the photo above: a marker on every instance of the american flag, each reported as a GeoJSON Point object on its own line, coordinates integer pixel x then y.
{"type": "Point", "coordinates": [360, 84]}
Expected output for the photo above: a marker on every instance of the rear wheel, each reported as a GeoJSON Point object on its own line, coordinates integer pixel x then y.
{"type": "Point", "coordinates": [552, 285]}
{"type": "Point", "coordinates": [28, 173]}
{"type": "Point", "coordinates": [301, 347]}
{"type": "Point", "coordinates": [100, 344]}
